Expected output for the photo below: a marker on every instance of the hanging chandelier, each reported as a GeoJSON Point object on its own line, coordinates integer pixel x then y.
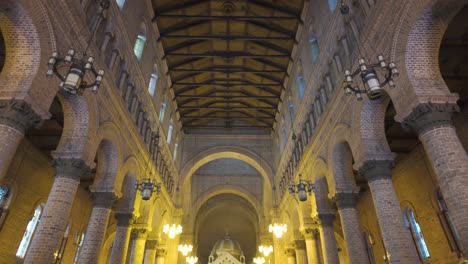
{"type": "Point", "coordinates": [147, 187]}
{"type": "Point", "coordinates": [265, 250]}
{"type": "Point", "coordinates": [278, 229]}
{"type": "Point", "coordinates": [185, 249]}
{"type": "Point", "coordinates": [191, 260]}
{"type": "Point", "coordinates": [259, 260]}
{"type": "Point", "coordinates": [72, 71]}
{"type": "Point", "coordinates": [172, 230]}
{"type": "Point", "coordinates": [302, 188]}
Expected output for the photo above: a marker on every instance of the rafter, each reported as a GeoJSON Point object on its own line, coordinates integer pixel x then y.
{"type": "Point", "coordinates": [181, 26]}
{"type": "Point", "coordinates": [282, 9]}
{"type": "Point", "coordinates": [175, 6]}
{"type": "Point", "coordinates": [226, 37]}
{"type": "Point", "coordinates": [184, 44]}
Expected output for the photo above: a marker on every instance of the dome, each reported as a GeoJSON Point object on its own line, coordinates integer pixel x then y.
{"type": "Point", "coordinates": [227, 245]}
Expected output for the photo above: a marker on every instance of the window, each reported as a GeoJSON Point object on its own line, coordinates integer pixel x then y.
{"type": "Point", "coordinates": [176, 145]}
{"type": "Point", "coordinates": [169, 131]}
{"type": "Point", "coordinates": [23, 247]}
{"type": "Point", "coordinates": [80, 244]}
{"type": "Point", "coordinates": [3, 193]}
{"type": "Point", "coordinates": [291, 111]}
{"type": "Point", "coordinates": [369, 243]}
{"type": "Point", "coordinates": [152, 83]}
{"type": "Point", "coordinates": [447, 223]}
{"type": "Point", "coordinates": [59, 253]}
{"type": "Point", "coordinates": [285, 136]}
{"type": "Point", "coordinates": [139, 46]}
{"type": "Point", "coordinates": [301, 85]}
{"type": "Point", "coordinates": [418, 238]}
{"type": "Point", "coordinates": [120, 3]}
{"type": "Point", "coordinates": [314, 49]}
{"type": "Point", "coordinates": [332, 5]}
{"type": "Point", "coordinates": [162, 112]}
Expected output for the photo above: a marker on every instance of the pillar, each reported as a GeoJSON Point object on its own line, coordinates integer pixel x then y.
{"type": "Point", "coordinates": [346, 203]}
{"type": "Point", "coordinates": [139, 249]}
{"type": "Point", "coordinates": [300, 250]}
{"type": "Point", "coordinates": [160, 255]}
{"type": "Point", "coordinates": [433, 123]}
{"type": "Point", "coordinates": [327, 237]}
{"type": "Point", "coordinates": [150, 251]}
{"type": "Point", "coordinates": [15, 117]}
{"type": "Point", "coordinates": [122, 238]}
{"type": "Point", "coordinates": [311, 236]}
{"type": "Point", "coordinates": [291, 255]}
{"type": "Point", "coordinates": [97, 226]}
{"type": "Point", "coordinates": [54, 219]}
{"type": "Point", "coordinates": [396, 237]}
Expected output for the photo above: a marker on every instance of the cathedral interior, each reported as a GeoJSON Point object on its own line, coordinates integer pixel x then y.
{"type": "Point", "coordinates": [234, 131]}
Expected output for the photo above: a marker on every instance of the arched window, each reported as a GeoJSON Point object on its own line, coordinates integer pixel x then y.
{"type": "Point", "coordinates": [4, 190]}
{"type": "Point", "coordinates": [332, 5]}
{"type": "Point", "coordinates": [314, 49]}
{"type": "Point", "coordinates": [170, 130]}
{"type": "Point", "coordinates": [152, 83]}
{"type": "Point", "coordinates": [120, 3]}
{"type": "Point", "coordinates": [139, 46]}
{"type": "Point", "coordinates": [59, 253]}
{"type": "Point", "coordinates": [284, 134]}
{"type": "Point", "coordinates": [162, 112]}
{"type": "Point", "coordinates": [31, 227]}
{"type": "Point", "coordinates": [176, 146]}
{"type": "Point", "coordinates": [291, 110]}
{"type": "Point", "coordinates": [80, 244]}
{"type": "Point", "coordinates": [448, 225]}
{"type": "Point", "coordinates": [418, 238]}
{"type": "Point", "coordinates": [301, 85]}
{"type": "Point", "coordinates": [369, 244]}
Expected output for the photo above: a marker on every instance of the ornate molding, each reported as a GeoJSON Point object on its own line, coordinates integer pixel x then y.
{"type": "Point", "coordinates": [376, 169]}
{"type": "Point", "coordinates": [151, 244]}
{"type": "Point", "coordinates": [299, 244]}
{"type": "Point", "coordinates": [18, 114]}
{"type": "Point", "coordinates": [290, 252]}
{"type": "Point", "coordinates": [70, 168]}
{"type": "Point", "coordinates": [429, 115]}
{"type": "Point", "coordinates": [310, 233]}
{"type": "Point", "coordinates": [161, 252]}
{"type": "Point", "coordinates": [103, 199]}
{"type": "Point", "coordinates": [345, 200]}
{"type": "Point", "coordinates": [325, 219]}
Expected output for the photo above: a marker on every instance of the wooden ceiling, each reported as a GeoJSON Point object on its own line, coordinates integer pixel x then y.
{"type": "Point", "coordinates": [227, 60]}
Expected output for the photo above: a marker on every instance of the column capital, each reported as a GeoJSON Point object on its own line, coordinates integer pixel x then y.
{"type": "Point", "coordinates": [18, 114]}
{"type": "Point", "coordinates": [310, 233]}
{"type": "Point", "coordinates": [345, 199]}
{"type": "Point", "coordinates": [70, 168]}
{"type": "Point", "coordinates": [151, 244]}
{"type": "Point", "coordinates": [103, 199]}
{"type": "Point", "coordinates": [376, 169]}
{"type": "Point", "coordinates": [140, 232]}
{"type": "Point", "coordinates": [161, 251]}
{"type": "Point", "coordinates": [325, 219]}
{"type": "Point", "coordinates": [124, 219]}
{"type": "Point", "coordinates": [290, 252]}
{"type": "Point", "coordinates": [426, 116]}
{"type": "Point", "coordinates": [299, 244]}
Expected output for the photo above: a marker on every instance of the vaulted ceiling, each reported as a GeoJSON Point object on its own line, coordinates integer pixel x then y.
{"type": "Point", "coordinates": [227, 60]}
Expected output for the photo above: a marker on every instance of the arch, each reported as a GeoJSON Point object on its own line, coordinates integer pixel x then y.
{"type": "Point", "coordinates": [140, 40]}
{"type": "Point", "coordinates": [131, 172]}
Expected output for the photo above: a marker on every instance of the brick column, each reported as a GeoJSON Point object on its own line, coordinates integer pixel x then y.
{"type": "Point", "coordinates": [160, 255]}
{"type": "Point", "coordinates": [301, 253]}
{"type": "Point", "coordinates": [15, 117]}
{"type": "Point", "coordinates": [346, 203]}
{"type": "Point", "coordinates": [433, 123]}
{"type": "Point", "coordinates": [397, 238]}
{"type": "Point", "coordinates": [122, 238]}
{"type": "Point", "coordinates": [139, 248]}
{"type": "Point", "coordinates": [97, 226]}
{"type": "Point", "coordinates": [291, 255]}
{"type": "Point", "coordinates": [150, 251]}
{"type": "Point", "coordinates": [56, 213]}
{"type": "Point", "coordinates": [311, 236]}
{"type": "Point", "coordinates": [327, 237]}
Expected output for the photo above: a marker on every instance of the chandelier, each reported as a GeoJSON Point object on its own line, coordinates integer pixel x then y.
{"type": "Point", "coordinates": [172, 230]}
{"type": "Point", "coordinates": [73, 71]}
{"type": "Point", "coordinates": [265, 250]}
{"type": "Point", "coordinates": [371, 75]}
{"type": "Point", "coordinates": [302, 188]}
{"type": "Point", "coordinates": [278, 229]}
{"type": "Point", "coordinates": [191, 260]}
{"type": "Point", "coordinates": [147, 187]}
{"type": "Point", "coordinates": [185, 249]}
{"type": "Point", "coordinates": [259, 260]}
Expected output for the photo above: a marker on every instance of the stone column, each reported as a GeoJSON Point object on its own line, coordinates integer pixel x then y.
{"type": "Point", "coordinates": [150, 251]}
{"type": "Point", "coordinates": [327, 237]}
{"type": "Point", "coordinates": [54, 219]}
{"type": "Point", "coordinates": [122, 238]}
{"type": "Point", "coordinates": [160, 255]}
{"type": "Point", "coordinates": [311, 236]}
{"type": "Point", "coordinates": [139, 248]}
{"type": "Point", "coordinates": [433, 123]}
{"type": "Point", "coordinates": [97, 226]}
{"type": "Point", "coordinates": [346, 203]}
{"type": "Point", "coordinates": [291, 255]}
{"type": "Point", "coordinates": [15, 117]}
{"type": "Point", "coordinates": [397, 238]}
{"type": "Point", "coordinates": [301, 253]}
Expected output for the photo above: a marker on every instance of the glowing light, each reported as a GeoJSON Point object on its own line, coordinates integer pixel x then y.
{"type": "Point", "coordinates": [259, 260]}
{"type": "Point", "coordinates": [185, 249]}
{"type": "Point", "coordinates": [191, 260]}
{"type": "Point", "coordinates": [172, 230]}
{"type": "Point", "coordinates": [266, 250]}
{"type": "Point", "coordinates": [278, 229]}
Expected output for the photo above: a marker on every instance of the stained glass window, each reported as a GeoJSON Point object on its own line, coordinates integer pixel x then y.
{"type": "Point", "coordinates": [139, 46]}
{"type": "Point", "coordinates": [413, 224]}
{"type": "Point", "coordinates": [314, 49]}
{"type": "Point", "coordinates": [332, 4]}
{"type": "Point", "coordinates": [120, 3]}
{"type": "Point", "coordinates": [23, 247]}
{"type": "Point", "coordinates": [301, 85]}
{"type": "Point", "coordinates": [152, 83]}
